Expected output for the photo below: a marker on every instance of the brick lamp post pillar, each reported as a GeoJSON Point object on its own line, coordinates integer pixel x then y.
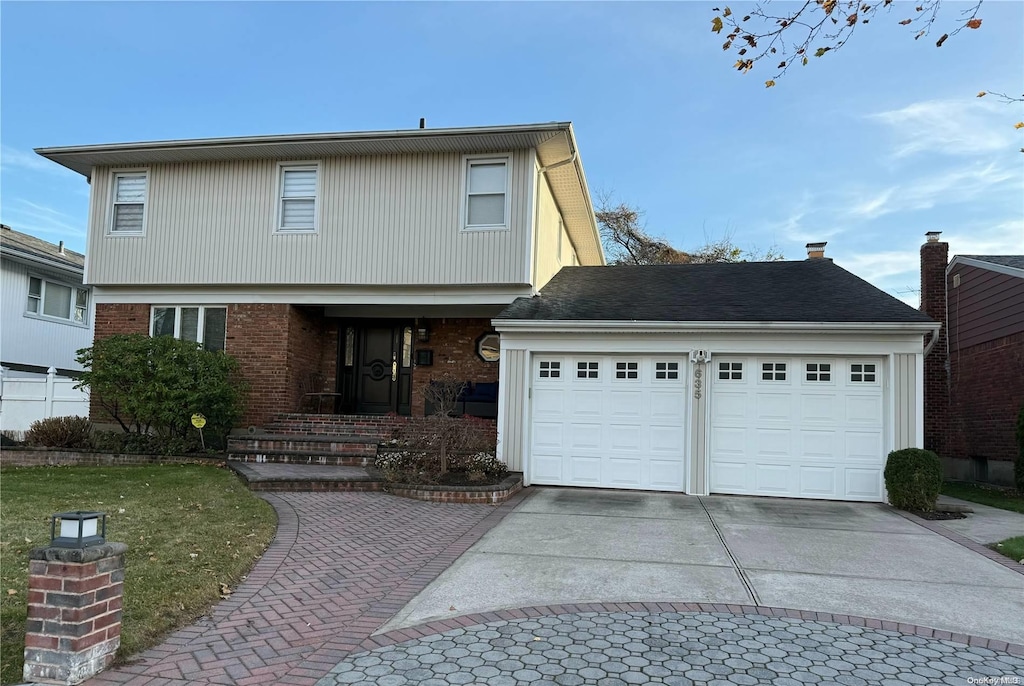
{"type": "Point", "coordinates": [74, 611]}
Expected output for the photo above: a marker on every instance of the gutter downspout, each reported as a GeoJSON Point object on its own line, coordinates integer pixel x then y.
{"type": "Point", "coordinates": [933, 341]}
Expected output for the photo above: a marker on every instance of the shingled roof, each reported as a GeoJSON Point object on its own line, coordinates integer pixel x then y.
{"type": "Point", "coordinates": [1015, 261]}
{"type": "Point", "coordinates": [23, 245]}
{"type": "Point", "coordinates": [805, 291]}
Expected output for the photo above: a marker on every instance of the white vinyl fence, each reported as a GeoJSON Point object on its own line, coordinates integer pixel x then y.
{"type": "Point", "coordinates": [23, 401]}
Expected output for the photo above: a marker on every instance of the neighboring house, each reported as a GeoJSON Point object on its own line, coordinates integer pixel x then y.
{"type": "Point", "coordinates": [975, 370]}
{"type": "Point", "coordinates": [46, 309]}
{"type": "Point", "coordinates": [383, 260]}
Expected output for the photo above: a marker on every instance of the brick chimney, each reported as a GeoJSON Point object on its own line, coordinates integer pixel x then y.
{"type": "Point", "coordinates": [816, 251]}
{"type": "Point", "coordinates": [934, 258]}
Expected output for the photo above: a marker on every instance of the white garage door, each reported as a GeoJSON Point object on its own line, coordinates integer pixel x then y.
{"type": "Point", "coordinates": [799, 427]}
{"type": "Point", "coordinates": [609, 421]}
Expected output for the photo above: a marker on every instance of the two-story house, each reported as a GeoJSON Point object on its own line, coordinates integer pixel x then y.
{"type": "Point", "coordinates": [382, 260]}
{"type": "Point", "coordinates": [46, 316]}
{"type": "Point", "coordinates": [374, 260]}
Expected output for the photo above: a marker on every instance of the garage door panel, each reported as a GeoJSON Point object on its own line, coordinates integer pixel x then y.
{"type": "Point", "coordinates": [772, 479]}
{"type": "Point", "coordinates": [863, 445]}
{"type": "Point", "coordinates": [818, 482]}
{"type": "Point", "coordinates": [804, 435]}
{"type": "Point", "coordinates": [585, 470]}
{"type": "Point", "coordinates": [667, 439]}
{"type": "Point", "coordinates": [548, 402]}
{"type": "Point", "coordinates": [772, 442]}
{"type": "Point", "coordinates": [548, 436]}
{"type": "Point", "coordinates": [774, 407]}
{"type": "Point", "coordinates": [585, 436]}
{"type": "Point", "coordinates": [669, 405]}
{"type": "Point", "coordinates": [587, 402]}
{"type": "Point", "coordinates": [864, 409]}
{"type": "Point", "coordinates": [863, 484]}
{"type": "Point", "coordinates": [666, 474]}
{"type": "Point", "coordinates": [547, 468]}
{"type": "Point", "coordinates": [624, 472]}
{"type": "Point", "coordinates": [819, 443]}
{"type": "Point", "coordinates": [730, 477]}
{"type": "Point", "coordinates": [625, 437]}
{"type": "Point", "coordinates": [623, 404]}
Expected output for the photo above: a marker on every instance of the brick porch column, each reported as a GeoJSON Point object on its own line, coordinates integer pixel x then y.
{"type": "Point", "coordinates": [74, 612]}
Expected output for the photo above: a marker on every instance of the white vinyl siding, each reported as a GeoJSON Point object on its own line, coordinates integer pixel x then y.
{"type": "Point", "coordinates": [197, 323]}
{"type": "Point", "coordinates": [486, 193]}
{"type": "Point", "coordinates": [128, 214]}
{"type": "Point", "coordinates": [298, 201]}
{"type": "Point", "coordinates": [382, 221]}
{"type": "Point", "coordinates": [57, 300]}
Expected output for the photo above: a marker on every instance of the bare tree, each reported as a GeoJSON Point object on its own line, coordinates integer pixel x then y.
{"type": "Point", "coordinates": [627, 241]}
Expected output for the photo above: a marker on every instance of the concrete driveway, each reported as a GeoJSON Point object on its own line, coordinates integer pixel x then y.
{"type": "Point", "coordinates": [563, 546]}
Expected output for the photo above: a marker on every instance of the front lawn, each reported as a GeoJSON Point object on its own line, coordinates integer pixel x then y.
{"type": "Point", "coordinates": [984, 495]}
{"type": "Point", "coordinates": [1011, 547]}
{"type": "Point", "coordinates": [189, 529]}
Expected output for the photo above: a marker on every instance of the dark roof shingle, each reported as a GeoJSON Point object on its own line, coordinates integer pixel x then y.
{"type": "Point", "coordinates": [30, 246]}
{"type": "Point", "coordinates": [805, 291]}
{"type": "Point", "coordinates": [1015, 261]}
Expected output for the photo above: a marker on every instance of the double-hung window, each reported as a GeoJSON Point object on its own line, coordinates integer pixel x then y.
{"type": "Point", "coordinates": [57, 300]}
{"type": "Point", "coordinates": [486, 201]}
{"type": "Point", "coordinates": [297, 206]}
{"type": "Point", "coordinates": [128, 217]}
{"type": "Point", "coordinates": [197, 323]}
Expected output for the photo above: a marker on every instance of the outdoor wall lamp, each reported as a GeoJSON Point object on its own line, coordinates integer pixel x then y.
{"type": "Point", "coordinates": [423, 333]}
{"type": "Point", "coordinates": [78, 529]}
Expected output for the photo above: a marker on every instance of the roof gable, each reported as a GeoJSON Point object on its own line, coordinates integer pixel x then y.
{"type": "Point", "coordinates": [804, 291]}
{"type": "Point", "coordinates": [1012, 265]}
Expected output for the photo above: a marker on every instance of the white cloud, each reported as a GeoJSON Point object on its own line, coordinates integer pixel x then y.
{"type": "Point", "coordinates": [12, 159]}
{"type": "Point", "coordinates": [1003, 238]}
{"type": "Point", "coordinates": [952, 127]}
{"type": "Point", "coordinates": [45, 222]}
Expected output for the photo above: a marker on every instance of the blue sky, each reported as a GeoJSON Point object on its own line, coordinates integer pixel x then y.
{"type": "Point", "coordinates": [867, 148]}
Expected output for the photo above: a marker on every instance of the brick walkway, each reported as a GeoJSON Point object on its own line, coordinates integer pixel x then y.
{"type": "Point", "coordinates": [341, 564]}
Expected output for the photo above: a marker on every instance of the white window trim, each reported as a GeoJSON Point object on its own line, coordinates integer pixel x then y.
{"type": "Point", "coordinates": [859, 384]}
{"type": "Point", "coordinates": [114, 174]}
{"type": "Point", "coordinates": [549, 361]}
{"type": "Point", "coordinates": [279, 203]}
{"type": "Point", "coordinates": [201, 325]}
{"type": "Point", "coordinates": [467, 161]}
{"type": "Point", "coordinates": [639, 371]}
{"type": "Point", "coordinates": [678, 371]}
{"type": "Point", "coordinates": [743, 370]}
{"type": "Point", "coordinates": [589, 379]}
{"type": "Point", "coordinates": [42, 301]}
{"type": "Point", "coordinates": [787, 370]}
{"type": "Point", "coordinates": [833, 366]}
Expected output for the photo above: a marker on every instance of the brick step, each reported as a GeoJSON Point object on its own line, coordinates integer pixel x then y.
{"type": "Point", "coordinates": [370, 426]}
{"type": "Point", "coordinates": [284, 457]}
{"type": "Point", "coordinates": [282, 477]}
{"type": "Point", "coordinates": [356, 451]}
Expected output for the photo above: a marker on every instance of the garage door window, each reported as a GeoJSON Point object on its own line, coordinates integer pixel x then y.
{"type": "Point", "coordinates": [820, 372]}
{"type": "Point", "coordinates": [862, 373]}
{"type": "Point", "coordinates": [550, 369]}
{"type": "Point", "coordinates": [730, 371]}
{"type": "Point", "coordinates": [666, 370]}
{"type": "Point", "coordinates": [627, 370]}
{"type": "Point", "coordinates": [773, 371]}
{"type": "Point", "coordinates": [587, 370]}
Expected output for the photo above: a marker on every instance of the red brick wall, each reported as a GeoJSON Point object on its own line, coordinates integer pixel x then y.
{"type": "Point", "coordinates": [986, 394]}
{"type": "Point", "coordinates": [110, 320]}
{"type": "Point", "coordinates": [934, 257]}
{"type": "Point", "coordinates": [454, 344]}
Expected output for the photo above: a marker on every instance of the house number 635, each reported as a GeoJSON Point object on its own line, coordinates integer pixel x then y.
{"type": "Point", "coordinates": [697, 373]}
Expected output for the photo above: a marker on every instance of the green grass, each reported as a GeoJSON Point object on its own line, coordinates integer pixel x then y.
{"type": "Point", "coordinates": [1011, 547]}
{"type": "Point", "coordinates": [189, 529]}
{"type": "Point", "coordinates": [985, 495]}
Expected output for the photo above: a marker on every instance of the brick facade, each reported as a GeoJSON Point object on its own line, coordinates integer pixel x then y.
{"type": "Point", "coordinates": [454, 344]}
{"type": "Point", "coordinates": [934, 257]}
{"type": "Point", "coordinates": [972, 394]}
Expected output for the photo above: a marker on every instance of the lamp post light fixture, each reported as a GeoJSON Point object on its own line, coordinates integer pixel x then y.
{"type": "Point", "coordinates": [78, 529]}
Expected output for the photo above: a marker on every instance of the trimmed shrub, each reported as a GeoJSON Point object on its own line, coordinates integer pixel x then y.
{"type": "Point", "coordinates": [913, 477]}
{"type": "Point", "coordinates": [1018, 467]}
{"type": "Point", "coordinates": [60, 432]}
{"type": "Point", "coordinates": [484, 464]}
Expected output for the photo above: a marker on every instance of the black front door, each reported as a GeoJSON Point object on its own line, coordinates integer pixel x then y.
{"type": "Point", "coordinates": [383, 368]}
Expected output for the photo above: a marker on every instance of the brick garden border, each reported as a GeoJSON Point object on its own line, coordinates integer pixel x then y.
{"type": "Point", "coordinates": [492, 494]}
{"type": "Point", "coordinates": [32, 456]}
{"type": "Point", "coordinates": [440, 626]}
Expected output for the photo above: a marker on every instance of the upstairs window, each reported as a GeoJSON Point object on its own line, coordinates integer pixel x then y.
{"type": "Point", "coordinates": [57, 300]}
{"type": "Point", "coordinates": [486, 202]}
{"type": "Point", "coordinates": [297, 211]}
{"type": "Point", "coordinates": [128, 217]}
{"type": "Point", "coordinates": [197, 323]}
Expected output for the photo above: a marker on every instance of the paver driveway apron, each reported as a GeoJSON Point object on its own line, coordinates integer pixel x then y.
{"type": "Point", "coordinates": [564, 546]}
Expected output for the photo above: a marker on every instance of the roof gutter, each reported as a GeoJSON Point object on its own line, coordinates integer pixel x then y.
{"type": "Point", "coordinates": [515, 325]}
{"type": "Point", "coordinates": [32, 258]}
